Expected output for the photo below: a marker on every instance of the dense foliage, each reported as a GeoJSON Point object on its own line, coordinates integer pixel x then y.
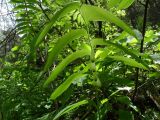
{"type": "Point", "coordinates": [81, 60]}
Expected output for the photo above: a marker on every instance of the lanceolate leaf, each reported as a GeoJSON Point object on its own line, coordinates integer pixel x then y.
{"type": "Point", "coordinates": [61, 43]}
{"type": "Point", "coordinates": [125, 4]}
{"type": "Point", "coordinates": [65, 62]}
{"type": "Point", "coordinates": [93, 13]}
{"type": "Point", "coordinates": [68, 8]}
{"type": "Point", "coordinates": [128, 61]}
{"type": "Point", "coordinates": [69, 108]}
{"type": "Point", "coordinates": [21, 1]}
{"type": "Point", "coordinates": [129, 52]}
{"type": "Point", "coordinates": [64, 86]}
{"type": "Point", "coordinates": [100, 41]}
{"type": "Point", "coordinates": [22, 24]}
{"type": "Point", "coordinates": [21, 7]}
{"type": "Point", "coordinates": [113, 3]}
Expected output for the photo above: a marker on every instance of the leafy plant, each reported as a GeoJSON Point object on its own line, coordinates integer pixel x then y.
{"type": "Point", "coordinates": [79, 60]}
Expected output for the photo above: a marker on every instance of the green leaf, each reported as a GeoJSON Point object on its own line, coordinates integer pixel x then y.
{"type": "Point", "coordinates": [64, 86]}
{"type": "Point", "coordinates": [69, 108]}
{"type": "Point", "coordinates": [129, 52]}
{"type": "Point", "coordinates": [113, 3]}
{"type": "Point", "coordinates": [104, 101]}
{"type": "Point", "coordinates": [15, 48]}
{"type": "Point", "coordinates": [125, 4]}
{"type": "Point", "coordinates": [45, 117]}
{"type": "Point", "coordinates": [65, 10]}
{"type": "Point", "coordinates": [101, 14]}
{"type": "Point", "coordinates": [125, 115]}
{"type": "Point", "coordinates": [65, 62]}
{"type": "Point", "coordinates": [22, 1]}
{"type": "Point", "coordinates": [61, 43]}
{"type": "Point", "coordinates": [99, 41]}
{"type": "Point", "coordinates": [22, 24]}
{"type": "Point", "coordinates": [128, 61]}
{"type": "Point", "coordinates": [124, 100]}
{"type": "Point", "coordinates": [23, 7]}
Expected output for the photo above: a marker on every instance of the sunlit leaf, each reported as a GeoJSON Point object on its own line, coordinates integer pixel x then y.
{"type": "Point", "coordinates": [101, 14]}
{"type": "Point", "coordinates": [15, 48]}
{"type": "Point", "coordinates": [65, 62]}
{"type": "Point", "coordinates": [113, 3]}
{"type": "Point", "coordinates": [104, 101]}
{"type": "Point", "coordinates": [128, 61]}
{"type": "Point", "coordinates": [125, 4]}
{"type": "Point", "coordinates": [99, 41]}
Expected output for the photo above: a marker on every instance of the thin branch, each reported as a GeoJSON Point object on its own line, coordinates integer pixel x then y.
{"type": "Point", "coordinates": [141, 47]}
{"type": "Point", "coordinates": [40, 5]}
{"type": "Point", "coordinates": [144, 25]}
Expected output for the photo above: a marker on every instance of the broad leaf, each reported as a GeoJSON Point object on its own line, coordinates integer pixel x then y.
{"type": "Point", "coordinates": [69, 108]}
{"type": "Point", "coordinates": [64, 86]}
{"type": "Point", "coordinates": [61, 43]}
{"type": "Point", "coordinates": [101, 14]}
